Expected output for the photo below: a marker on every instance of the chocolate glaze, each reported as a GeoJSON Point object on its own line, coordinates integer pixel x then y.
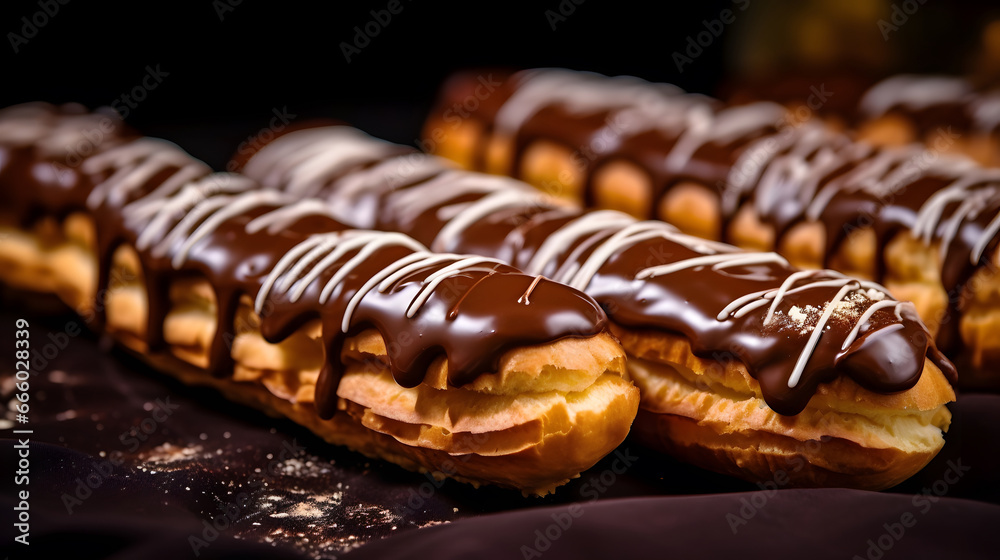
{"type": "Point", "coordinates": [929, 103]}
{"type": "Point", "coordinates": [781, 195]}
{"type": "Point", "coordinates": [831, 93]}
{"type": "Point", "coordinates": [480, 310]}
{"type": "Point", "coordinates": [506, 219]}
{"type": "Point", "coordinates": [709, 164]}
{"type": "Point", "coordinates": [889, 202]}
{"type": "Point", "coordinates": [43, 145]}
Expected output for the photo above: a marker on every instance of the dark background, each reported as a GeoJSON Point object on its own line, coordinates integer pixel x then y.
{"type": "Point", "coordinates": [227, 74]}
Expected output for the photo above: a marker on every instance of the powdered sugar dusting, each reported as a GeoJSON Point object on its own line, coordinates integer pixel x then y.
{"type": "Point", "coordinates": [804, 318]}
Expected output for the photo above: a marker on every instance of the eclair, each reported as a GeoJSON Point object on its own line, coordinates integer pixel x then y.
{"type": "Point", "coordinates": [923, 224]}
{"type": "Point", "coordinates": [457, 365]}
{"type": "Point", "coordinates": [945, 113]}
{"type": "Point", "coordinates": [746, 365]}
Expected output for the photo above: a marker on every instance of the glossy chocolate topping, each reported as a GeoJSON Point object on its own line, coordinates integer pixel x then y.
{"type": "Point", "coordinates": [297, 262]}
{"type": "Point", "coordinates": [42, 147]}
{"type": "Point", "coordinates": [927, 102]}
{"type": "Point", "coordinates": [793, 330]}
{"type": "Point", "coordinates": [754, 154]}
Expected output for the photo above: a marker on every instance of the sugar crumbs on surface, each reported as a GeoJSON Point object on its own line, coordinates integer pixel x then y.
{"type": "Point", "coordinates": [307, 466]}
{"type": "Point", "coordinates": [433, 523]}
{"type": "Point", "coordinates": [66, 415]}
{"type": "Point", "coordinates": [315, 524]}
{"type": "Point", "coordinates": [168, 454]}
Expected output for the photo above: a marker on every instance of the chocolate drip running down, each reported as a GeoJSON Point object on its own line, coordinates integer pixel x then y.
{"type": "Point", "coordinates": [794, 330]}
{"type": "Point", "coordinates": [756, 155]}
{"type": "Point", "coordinates": [293, 258]}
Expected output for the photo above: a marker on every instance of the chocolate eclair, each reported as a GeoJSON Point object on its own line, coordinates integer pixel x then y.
{"type": "Point", "coordinates": [746, 365]}
{"type": "Point", "coordinates": [948, 114]}
{"type": "Point", "coordinates": [923, 224]}
{"type": "Point", "coordinates": [453, 364]}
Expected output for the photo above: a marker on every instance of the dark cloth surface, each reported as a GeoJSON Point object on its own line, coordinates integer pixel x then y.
{"type": "Point", "coordinates": [826, 523]}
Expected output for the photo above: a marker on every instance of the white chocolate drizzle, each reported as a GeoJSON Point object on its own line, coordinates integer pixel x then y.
{"type": "Point", "coordinates": [449, 185]}
{"type": "Point", "coordinates": [582, 92]}
{"type": "Point", "coordinates": [800, 363]}
{"type": "Point", "coordinates": [56, 131]}
{"type": "Point", "coordinates": [633, 105]}
{"type": "Point", "coordinates": [386, 176]}
{"type": "Point", "coordinates": [305, 262]}
{"type": "Point", "coordinates": [281, 218]}
{"type": "Point", "coordinates": [471, 213]}
{"type": "Point", "coordinates": [157, 215]}
{"type": "Point", "coordinates": [788, 162]}
{"type": "Point", "coordinates": [914, 92]}
{"type": "Point", "coordinates": [200, 208]}
{"type": "Point", "coordinates": [23, 125]}
{"type": "Point", "coordinates": [986, 112]}
{"type": "Point", "coordinates": [293, 162]}
{"type": "Point", "coordinates": [135, 163]}
{"type": "Point", "coordinates": [628, 232]}
{"type": "Point", "coordinates": [611, 232]}
{"type": "Point", "coordinates": [723, 127]}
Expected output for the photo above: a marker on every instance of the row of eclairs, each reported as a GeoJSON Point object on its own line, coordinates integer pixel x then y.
{"type": "Point", "coordinates": [479, 328]}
